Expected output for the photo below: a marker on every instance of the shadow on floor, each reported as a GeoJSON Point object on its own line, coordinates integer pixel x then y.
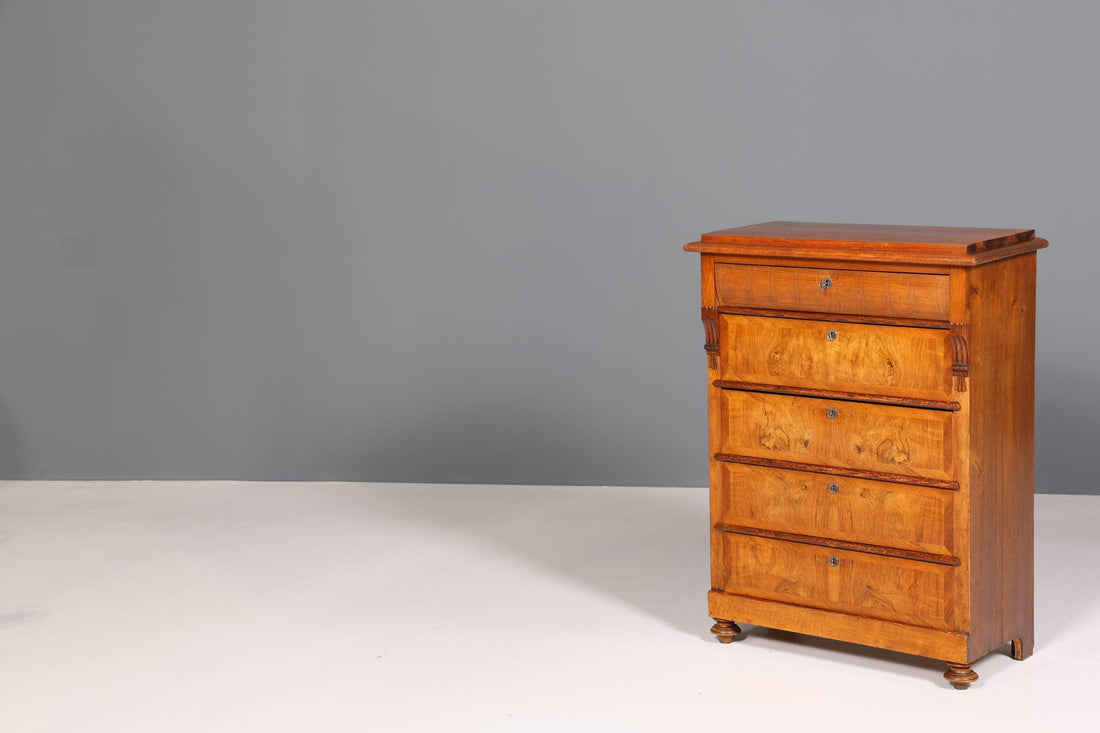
{"type": "Point", "coordinates": [646, 547]}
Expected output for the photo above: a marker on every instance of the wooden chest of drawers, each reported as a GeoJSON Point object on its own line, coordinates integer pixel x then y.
{"type": "Point", "coordinates": [871, 398]}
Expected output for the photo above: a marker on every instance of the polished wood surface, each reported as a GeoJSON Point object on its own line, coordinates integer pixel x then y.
{"type": "Point", "coordinates": [904, 245]}
{"type": "Point", "coordinates": [839, 580]}
{"type": "Point", "coordinates": [837, 471]}
{"type": "Point", "coordinates": [842, 317]}
{"type": "Point", "coordinates": [837, 235]}
{"type": "Point", "coordinates": [908, 295]}
{"type": "Point", "coordinates": [960, 675]}
{"type": "Point", "coordinates": [725, 630]}
{"type": "Point", "coordinates": [914, 518]}
{"type": "Point", "coordinates": [858, 629]}
{"type": "Point", "coordinates": [838, 395]}
{"type": "Point", "coordinates": [874, 437]}
{"type": "Point", "coordinates": [806, 539]}
{"type": "Point", "coordinates": [1002, 464]}
{"type": "Point", "coordinates": [871, 446]}
{"type": "Point", "coordinates": [823, 355]}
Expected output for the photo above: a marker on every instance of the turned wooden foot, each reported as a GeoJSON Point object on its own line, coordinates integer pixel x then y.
{"type": "Point", "coordinates": [960, 675]}
{"type": "Point", "coordinates": [726, 631]}
{"type": "Point", "coordinates": [1022, 647]}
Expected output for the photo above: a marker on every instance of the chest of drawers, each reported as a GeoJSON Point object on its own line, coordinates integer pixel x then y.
{"type": "Point", "coordinates": [871, 401]}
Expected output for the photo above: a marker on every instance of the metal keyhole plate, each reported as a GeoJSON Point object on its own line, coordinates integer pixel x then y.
{"type": "Point", "coordinates": [833, 561]}
{"type": "Point", "coordinates": [825, 284]}
{"type": "Point", "coordinates": [831, 413]}
{"type": "Point", "coordinates": [831, 335]}
{"type": "Point", "coordinates": [834, 488]}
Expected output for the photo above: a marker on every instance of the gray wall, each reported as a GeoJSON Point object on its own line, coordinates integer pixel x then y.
{"type": "Point", "coordinates": [436, 241]}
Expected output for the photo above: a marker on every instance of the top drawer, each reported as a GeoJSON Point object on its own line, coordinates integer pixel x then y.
{"type": "Point", "coordinates": [817, 290]}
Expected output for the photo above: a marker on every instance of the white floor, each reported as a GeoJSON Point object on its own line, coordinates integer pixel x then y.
{"type": "Point", "coordinates": [170, 606]}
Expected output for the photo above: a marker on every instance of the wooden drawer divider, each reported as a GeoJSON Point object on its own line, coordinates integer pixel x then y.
{"type": "Point", "coordinates": [835, 471]}
{"type": "Point", "coordinates": [840, 544]}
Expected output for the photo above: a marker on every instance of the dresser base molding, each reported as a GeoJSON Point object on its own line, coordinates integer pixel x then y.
{"type": "Point", "coordinates": [891, 635]}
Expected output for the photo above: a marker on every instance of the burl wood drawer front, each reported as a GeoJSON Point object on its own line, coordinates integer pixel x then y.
{"type": "Point", "coordinates": [854, 510]}
{"type": "Point", "coordinates": [908, 591]}
{"type": "Point", "coordinates": [860, 292]}
{"type": "Point", "coordinates": [900, 440]}
{"type": "Point", "coordinates": [852, 357]}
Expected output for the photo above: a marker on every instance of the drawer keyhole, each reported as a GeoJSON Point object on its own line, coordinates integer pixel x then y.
{"type": "Point", "coordinates": [831, 413]}
{"type": "Point", "coordinates": [834, 488]}
{"type": "Point", "coordinates": [833, 561]}
{"type": "Point", "coordinates": [825, 284]}
{"type": "Point", "coordinates": [830, 334]}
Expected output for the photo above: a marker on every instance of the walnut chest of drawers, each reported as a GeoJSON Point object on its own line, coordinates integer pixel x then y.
{"type": "Point", "coordinates": [871, 399]}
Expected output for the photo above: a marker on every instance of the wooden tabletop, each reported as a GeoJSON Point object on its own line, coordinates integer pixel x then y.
{"type": "Point", "coordinates": [878, 242]}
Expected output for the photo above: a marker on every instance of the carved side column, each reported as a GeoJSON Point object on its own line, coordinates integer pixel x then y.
{"type": "Point", "coordinates": [710, 325]}
{"type": "Point", "coordinates": [960, 367]}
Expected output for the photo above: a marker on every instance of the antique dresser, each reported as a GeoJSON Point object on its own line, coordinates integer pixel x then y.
{"type": "Point", "coordinates": [871, 399]}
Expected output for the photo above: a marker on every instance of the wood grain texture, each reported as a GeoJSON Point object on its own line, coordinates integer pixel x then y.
{"type": "Point", "coordinates": [911, 245]}
{"type": "Point", "coordinates": [837, 235]}
{"type": "Point", "coordinates": [1002, 468]}
{"type": "Point", "coordinates": [882, 438]}
{"type": "Point", "coordinates": [837, 395]}
{"type": "Point", "coordinates": [941, 453]}
{"type": "Point", "coordinates": [897, 294]}
{"type": "Point", "coordinates": [823, 355]}
{"type": "Point", "coordinates": [899, 637]}
{"type": "Point", "coordinates": [710, 327]}
{"type": "Point", "coordinates": [891, 589]}
{"type": "Point", "coordinates": [837, 544]}
{"type": "Point", "coordinates": [960, 348]}
{"type": "Point", "coordinates": [914, 518]}
{"type": "Point", "coordinates": [837, 471]}
{"type": "Point", "coordinates": [841, 317]}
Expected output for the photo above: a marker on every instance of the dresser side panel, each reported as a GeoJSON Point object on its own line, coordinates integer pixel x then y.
{"type": "Point", "coordinates": [1002, 465]}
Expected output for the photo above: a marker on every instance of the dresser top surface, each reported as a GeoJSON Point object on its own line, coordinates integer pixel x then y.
{"type": "Point", "coordinates": [945, 245]}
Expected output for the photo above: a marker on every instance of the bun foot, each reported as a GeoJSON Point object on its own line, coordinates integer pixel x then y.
{"type": "Point", "coordinates": [1022, 647]}
{"type": "Point", "coordinates": [726, 631]}
{"type": "Point", "coordinates": [960, 675]}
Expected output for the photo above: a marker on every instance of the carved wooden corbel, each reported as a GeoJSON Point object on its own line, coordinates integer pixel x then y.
{"type": "Point", "coordinates": [710, 325]}
{"type": "Point", "coordinates": [961, 366]}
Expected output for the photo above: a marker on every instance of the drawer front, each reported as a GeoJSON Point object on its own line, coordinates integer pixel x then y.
{"type": "Point", "coordinates": [900, 440]}
{"type": "Point", "coordinates": [908, 591]}
{"type": "Point", "coordinates": [853, 510]}
{"type": "Point", "coordinates": [859, 292]}
{"type": "Point", "coordinates": [850, 357]}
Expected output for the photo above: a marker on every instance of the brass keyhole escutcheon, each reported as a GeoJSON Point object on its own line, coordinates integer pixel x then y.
{"type": "Point", "coordinates": [833, 561]}
{"type": "Point", "coordinates": [831, 413]}
{"type": "Point", "coordinates": [831, 335]}
{"type": "Point", "coordinates": [834, 488]}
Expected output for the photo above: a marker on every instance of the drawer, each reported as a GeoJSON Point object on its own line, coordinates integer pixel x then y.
{"type": "Point", "coordinates": [893, 515]}
{"type": "Point", "coordinates": [852, 357]}
{"type": "Point", "coordinates": [908, 591]}
{"type": "Point", "coordinates": [908, 441]}
{"type": "Point", "coordinates": [814, 290]}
